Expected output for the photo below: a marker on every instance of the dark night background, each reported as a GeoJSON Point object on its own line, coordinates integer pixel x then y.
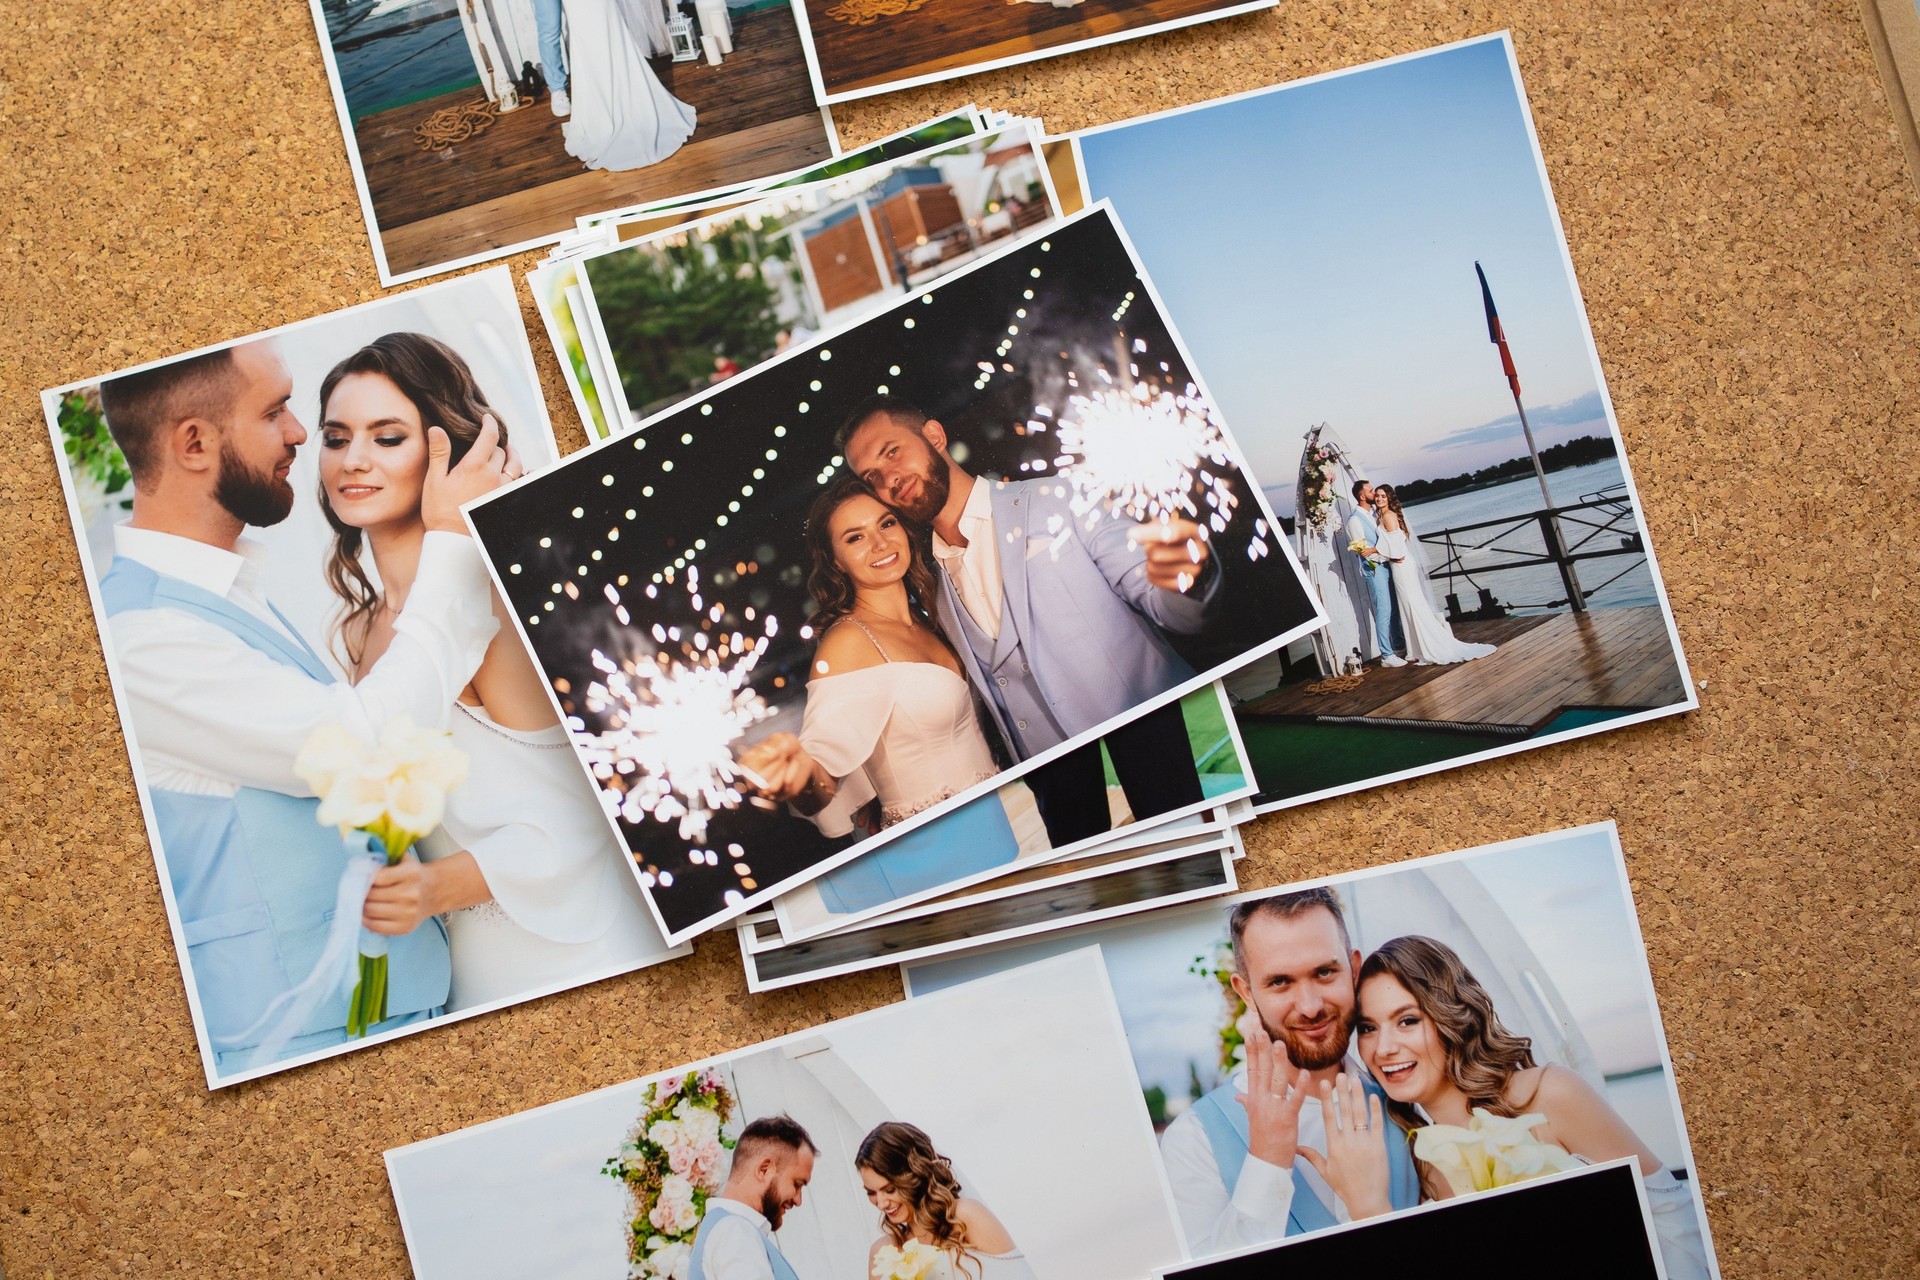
{"type": "Point", "coordinates": [764, 442]}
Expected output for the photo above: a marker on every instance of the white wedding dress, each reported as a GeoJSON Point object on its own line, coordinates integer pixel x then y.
{"type": "Point", "coordinates": [904, 731]}
{"type": "Point", "coordinates": [1429, 639]}
{"type": "Point", "coordinates": [986, 1266]}
{"type": "Point", "coordinates": [565, 905]}
{"type": "Point", "coordinates": [623, 117]}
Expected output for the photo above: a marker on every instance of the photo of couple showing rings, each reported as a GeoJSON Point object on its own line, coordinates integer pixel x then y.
{"type": "Point", "coordinates": [838, 598]}
{"type": "Point", "coordinates": [842, 1152]}
{"type": "Point", "coordinates": [272, 533]}
{"type": "Point", "coordinates": [1344, 1051]}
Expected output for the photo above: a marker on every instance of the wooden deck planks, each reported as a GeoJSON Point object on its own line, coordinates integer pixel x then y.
{"type": "Point", "coordinates": [1608, 658]}
{"type": "Point", "coordinates": [956, 33]}
{"type": "Point", "coordinates": [762, 84]}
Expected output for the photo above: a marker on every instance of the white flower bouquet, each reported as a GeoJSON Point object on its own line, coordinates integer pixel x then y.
{"type": "Point", "coordinates": [385, 797]}
{"type": "Point", "coordinates": [1491, 1151]}
{"type": "Point", "coordinates": [910, 1260]}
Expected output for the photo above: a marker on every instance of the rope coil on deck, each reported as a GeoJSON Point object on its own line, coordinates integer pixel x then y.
{"type": "Point", "coordinates": [455, 124]}
{"type": "Point", "coordinates": [860, 13]}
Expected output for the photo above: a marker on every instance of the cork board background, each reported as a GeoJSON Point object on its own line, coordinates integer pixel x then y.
{"type": "Point", "coordinates": [1748, 238]}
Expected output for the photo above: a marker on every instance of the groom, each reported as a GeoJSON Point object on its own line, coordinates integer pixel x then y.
{"type": "Point", "coordinates": [1362, 528]}
{"type": "Point", "coordinates": [1238, 1159]}
{"type": "Point", "coordinates": [553, 54]}
{"type": "Point", "coordinates": [222, 691]}
{"type": "Point", "coordinates": [1057, 635]}
{"type": "Point", "coordinates": [772, 1164]}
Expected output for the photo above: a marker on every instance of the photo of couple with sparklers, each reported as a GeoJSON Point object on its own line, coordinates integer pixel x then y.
{"type": "Point", "coordinates": [1007, 568]}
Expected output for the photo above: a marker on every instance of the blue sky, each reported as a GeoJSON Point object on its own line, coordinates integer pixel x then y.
{"type": "Point", "coordinates": [1315, 247]}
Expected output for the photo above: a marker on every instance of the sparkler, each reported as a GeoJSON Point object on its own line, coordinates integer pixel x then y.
{"type": "Point", "coordinates": [672, 718]}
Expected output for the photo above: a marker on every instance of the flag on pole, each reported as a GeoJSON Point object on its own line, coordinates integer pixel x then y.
{"type": "Point", "coordinates": [1496, 335]}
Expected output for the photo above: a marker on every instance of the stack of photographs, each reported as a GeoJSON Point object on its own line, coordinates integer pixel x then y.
{"type": "Point", "coordinates": [976, 530]}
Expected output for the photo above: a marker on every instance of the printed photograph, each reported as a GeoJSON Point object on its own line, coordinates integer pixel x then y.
{"type": "Point", "coordinates": [364, 811]}
{"type": "Point", "coordinates": [858, 48]}
{"type": "Point", "coordinates": [1589, 1223]}
{"type": "Point", "coordinates": [1371, 269]}
{"type": "Point", "coordinates": [478, 127]}
{"type": "Point", "coordinates": [854, 589]}
{"type": "Point", "coordinates": [1026, 904]}
{"type": "Point", "coordinates": [688, 308]}
{"type": "Point", "coordinates": [1356, 1047]}
{"type": "Point", "coordinates": [847, 1151]}
{"type": "Point", "coordinates": [996, 834]}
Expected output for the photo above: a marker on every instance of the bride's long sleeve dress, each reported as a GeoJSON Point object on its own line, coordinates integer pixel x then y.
{"type": "Point", "coordinates": [1429, 638]}
{"type": "Point", "coordinates": [623, 117]}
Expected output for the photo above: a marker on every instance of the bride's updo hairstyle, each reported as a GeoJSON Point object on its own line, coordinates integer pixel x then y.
{"type": "Point", "coordinates": [903, 1154]}
{"type": "Point", "coordinates": [437, 380]}
{"type": "Point", "coordinates": [829, 585]}
{"type": "Point", "coordinates": [1482, 1055]}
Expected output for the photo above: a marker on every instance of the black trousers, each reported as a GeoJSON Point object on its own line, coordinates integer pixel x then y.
{"type": "Point", "coordinates": [1152, 759]}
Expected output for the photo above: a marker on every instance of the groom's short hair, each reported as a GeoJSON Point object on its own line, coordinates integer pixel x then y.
{"type": "Point", "coordinates": [1358, 485]}
{"type": "Point", "coordinates": [904, 412]}
{"type": "Point", "coordinates": [1285, 906]}
{"type": "Point", "coordinates": [780, 1130]}
{"type": "Point", "coordinates": [140, 407]}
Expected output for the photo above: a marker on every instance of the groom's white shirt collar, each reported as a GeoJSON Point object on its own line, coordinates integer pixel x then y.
{"type": "Point", "coordinates": [237, 576]}
{"type": "Point", "coordinates": [741, 1208]}
{"type": "Point", "coordinates": [975, 568]}
{"type": "Point", "coordinates": [731, 1252]}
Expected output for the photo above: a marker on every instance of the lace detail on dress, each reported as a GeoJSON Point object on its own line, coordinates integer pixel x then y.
{"type": "Point", "coordinates": [489, 910]}
{"type": "Point", "coordinates": [900, 813]}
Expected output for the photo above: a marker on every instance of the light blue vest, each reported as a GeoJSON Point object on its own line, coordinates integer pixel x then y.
{"type": "Point", "coordinates": [254, 875]}
{"type": "Point", "coordinates": [1002, 670]}
{"type": "Point", "coordinates": [1225, 1123]}
{"type": "Point", "coordinates": [782, 1269]}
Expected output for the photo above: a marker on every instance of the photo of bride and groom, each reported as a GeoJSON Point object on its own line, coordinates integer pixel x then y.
{"type": "Point", "coordinates": [930, 620]}
{"type": "Point", "coordinates": [1396, 1037]}
{"type": "Point", "coordinates": [317, 474]}
{"type": "Point", "coordinates": [482, 126]}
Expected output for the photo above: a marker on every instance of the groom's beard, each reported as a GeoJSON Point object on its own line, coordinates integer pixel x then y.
{"type": "Point", "coordinates": [1314, 1054]}
{"type": "Point", "coordinates": [261, 499]}
{"type": "Point", "coordinates": [771, 1208]}
{"type": "Point", "coordinates": [935, 486]}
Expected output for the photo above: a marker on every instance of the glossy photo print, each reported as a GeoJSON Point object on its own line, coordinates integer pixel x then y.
{"type": "Point", "coordinates": [853, 590]}
{"type": "Point", "coordinates": [811, 1155]}
{"type": "Point", "coordinates": [1428, 1030]}
{"type": "Point", "coordinates": [363, 810]}
{"type": "Point", "coordinates": [479, 128]}
{"type": "Point", "coordinates": [1370, 267]}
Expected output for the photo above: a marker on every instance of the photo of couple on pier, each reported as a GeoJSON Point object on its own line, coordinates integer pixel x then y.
{"type": "Point", "coordinates": [880, 544]}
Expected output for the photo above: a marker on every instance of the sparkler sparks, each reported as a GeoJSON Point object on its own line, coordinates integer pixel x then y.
{"type": "Point", "coordinates": [672, 719]}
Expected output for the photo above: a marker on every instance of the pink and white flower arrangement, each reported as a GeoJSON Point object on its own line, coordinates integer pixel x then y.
{"type": "Point", "coordinates": [673, 1160]}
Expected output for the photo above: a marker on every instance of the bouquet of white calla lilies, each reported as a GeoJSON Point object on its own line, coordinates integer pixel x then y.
{"type": "Point", "coordinates": [394, 792]}
{"type": "Point", "coordinates": [911, 1260]}
{"type": "Point", "coordinates": [1491, 1151]}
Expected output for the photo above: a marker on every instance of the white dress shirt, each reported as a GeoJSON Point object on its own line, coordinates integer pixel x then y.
{"type": "Point", "coordinates": [1256, 1213]}
{"type": "Point", "coordinates": [975, 568]}
{"type": "Point", "coordinates": [1360, 528]}
{"type": "Point", "coordinates": [210, 714]}
{"type": "Point", "coordinates": [737, 1240]}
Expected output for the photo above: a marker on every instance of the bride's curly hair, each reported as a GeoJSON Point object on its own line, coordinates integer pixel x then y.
{"type": "Point", "coordinates": [829, 585]}
{"type": "Point", "coordinates": [1393, 505]}
{"type": "Point", "coordinates": [1482, 1055]}
{"type": "Point", "coordinates": [904, 1155]}
{"type": "Point", "coordinates": [437, 380]}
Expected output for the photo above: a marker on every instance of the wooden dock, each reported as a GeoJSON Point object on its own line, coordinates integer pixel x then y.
{"type": "Point", "coordinates": [1546, 664]}
{"type": "Point", "coordinates": [515, 182]}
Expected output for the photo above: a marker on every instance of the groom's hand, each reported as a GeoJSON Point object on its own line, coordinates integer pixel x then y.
{"type": "Point", "coordinates": [449, 485]}
{"type": "Point", "coordinates": [1176, 552]}
{"type": "Point", "coordinates": [1272, 1101]}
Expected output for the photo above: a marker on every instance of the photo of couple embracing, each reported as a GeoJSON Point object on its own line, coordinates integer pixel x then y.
{"type": "Point", "coordinates": [284, 554]}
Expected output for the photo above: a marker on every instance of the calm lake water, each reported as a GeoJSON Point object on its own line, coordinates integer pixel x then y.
{"type": "Point", "coordinates": [1534, 587]}
{"type": "Point", "coordinates": [398, 51]}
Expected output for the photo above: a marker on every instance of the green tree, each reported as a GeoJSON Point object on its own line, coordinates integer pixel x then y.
{"type": "Point", "coordinates": [669, 312]}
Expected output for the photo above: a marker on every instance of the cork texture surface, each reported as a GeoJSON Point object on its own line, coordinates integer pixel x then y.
{"type": "Point", "coordinates": [1747, 238]}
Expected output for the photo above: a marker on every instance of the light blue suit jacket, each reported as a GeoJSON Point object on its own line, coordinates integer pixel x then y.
{"type": "Point", "coordinates": [1091, 626]}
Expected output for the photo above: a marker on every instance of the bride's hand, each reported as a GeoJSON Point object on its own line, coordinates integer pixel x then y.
{"type": "Point", "coordinates": [1355, 1164]}
{"type": "Point", "coordinates": [781, 768]}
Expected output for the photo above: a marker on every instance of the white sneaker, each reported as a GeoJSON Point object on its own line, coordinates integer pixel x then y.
{"type": "Point", "coordinates": [1392, 660]}
{"type": "Point", "coordinates": [562, 104]}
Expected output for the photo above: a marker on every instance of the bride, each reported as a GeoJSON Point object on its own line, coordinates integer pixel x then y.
{"type": "Point", "coordinates": [889, 712]}
{"type": "Point", "coordinates": [536, 892]}
{"type": "Point", "coordinates": [623, 117]}
{"type": "Point", "coordinates": [1429, 639]}
{"type": "Point", "coordinates": [1428, 1033]}
{"type": "Point", "coordinates": [913, 1187]}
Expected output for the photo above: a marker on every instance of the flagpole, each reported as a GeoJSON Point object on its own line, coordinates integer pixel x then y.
{"type": "Point", "coordinates": [1550, 522]}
